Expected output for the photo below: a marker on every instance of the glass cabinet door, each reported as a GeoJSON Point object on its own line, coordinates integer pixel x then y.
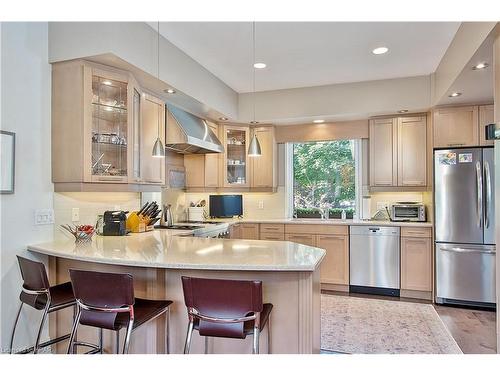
{"type": "Point", "coordinates": [236, 156]}
{"type": "Point", "coordinates": [136, 116]}
{"type": "Point", "coordinates": [109, 128]}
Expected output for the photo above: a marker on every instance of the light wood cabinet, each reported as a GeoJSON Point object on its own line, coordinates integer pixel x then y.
{"type": "Point", "coordinates": [335, 264]}
{"type": "Point", "coordinates": [455, 126]}
{"type": "Point", "coordinates": [416, 260]}
{"type": "Point", "coordinates": [272, 236]}
{"type": "Point", "coordinates": [412, 151]}
{"type": "Point", "coordinates": [486, 116]}
{"type": "Point", "coordinates": [398, 152]}
{"type": "Point", "coordinates": [235, 169]}
{"type": "Point", "coordinates": [263, 169]}
{"type": "Point", "coordinates": [272, 232]}
{"type": "Point", "coordinates": [249, 231]}
{"type": "Point", "coordinates": [304, 238]}
{"type": "Point", "coordinates": [235, 231]}
{"type": "Point", "coordinates": [383, 152]}
{"type": "Point", "coordinates": [152, 126]}
{"type": "Point", "coordinates": [212, 167]}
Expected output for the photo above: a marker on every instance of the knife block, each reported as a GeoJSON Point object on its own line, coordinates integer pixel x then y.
{"type": "Point", "coordinates": [138, 224]}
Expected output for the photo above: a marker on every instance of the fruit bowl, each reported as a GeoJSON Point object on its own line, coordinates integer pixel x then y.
{"type": "Point", "coordinates": [82, 233]}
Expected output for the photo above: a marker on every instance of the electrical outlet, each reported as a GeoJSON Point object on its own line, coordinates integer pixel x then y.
{"type": "Point", "coordinates": [381, 205]}
{"type": "Point", "coordinates": [44, 217]}
{"type": "Point", "coordinates": [261, 205]}
{"type": "Point", "coordinates": [117, 207]}
{"type": "Point", "coordinates": [75, 214]}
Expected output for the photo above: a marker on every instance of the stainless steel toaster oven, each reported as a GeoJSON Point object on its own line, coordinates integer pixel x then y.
{"type": "Point", "coordinates": [408, 211]}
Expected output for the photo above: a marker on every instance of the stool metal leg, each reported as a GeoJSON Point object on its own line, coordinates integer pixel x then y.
{"type": "Point", "coordinates": [75, 312]}
{"type": "Point", "coordinates": [101, 342]}
{"type": "Point", "coordinates": [117, 349]}
{"type": "Point", "coordinates": [42, 323]}
{"type": "Point", "coordinates": [72, 336]}
{"type": "Point", "coordinates": [126, 344]}
{"type": "Point", "coordinates": [269, 335]}
{"type": "Point", "coordinates": [14, 328]}
{"type": "Point", "coordinates": [206, 344]}
{"type": "Point", "coordinates": [256, 333]}
{"type": "Point", "coordinates": [189, 335]}
{"type": "Point", "coordinates": [167, 339]}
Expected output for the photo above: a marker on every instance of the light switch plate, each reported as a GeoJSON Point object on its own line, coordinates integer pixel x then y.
{"type": "Point", "coordinates": [261, 205]}
{"type": "Point", "coordinates": [75, 214]}
{"type": "Point", "coordinates": [44, 216]}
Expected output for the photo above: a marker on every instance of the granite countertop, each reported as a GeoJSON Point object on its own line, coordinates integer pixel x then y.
{"type": "Point", "coordinates": [168, 249]}
{"type": "Point", "coordinates": [330, 221]}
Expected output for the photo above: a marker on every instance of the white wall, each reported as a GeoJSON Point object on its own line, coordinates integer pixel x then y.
{"type": "Point", "coordinates": [136, 43]}
{"type": "Point", "coordinates": [342, 101]}
{"type": "Point", "coordinates": [25, 103]}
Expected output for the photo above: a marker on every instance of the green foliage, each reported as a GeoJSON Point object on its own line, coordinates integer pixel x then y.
{"type": "Point", "coordinates": [324, 174]}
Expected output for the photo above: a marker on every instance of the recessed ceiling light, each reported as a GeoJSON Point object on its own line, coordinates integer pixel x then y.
{"type": "Point", "coordinates": [223, 118]}
{"type": "Point", "coordinates": [169, 91]}
{"type": "Point", "coordinates": [254, 122]}
{"type": "Point", "coordinates": [318, 121]}
{"type": "Point", "coordinates": [259, 65]}
{"type": "Point", "coordinates": [480, 66]}
{"type": "Point", "coordinates": [454, 94]}
{"type": "Point", "coordinates": [403, 111]}
{"type": "Point", "coordinates": [380, 50]}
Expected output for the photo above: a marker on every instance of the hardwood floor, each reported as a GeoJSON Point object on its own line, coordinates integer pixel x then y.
{"type": "Point", "coordinates": [473, 330]}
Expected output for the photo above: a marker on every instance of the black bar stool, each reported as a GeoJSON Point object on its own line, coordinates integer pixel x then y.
{"type": "Point", "coordinates": [37, 293]}
{"type": "Point", "coordinates": [226, 308]}
{"type": "Point", "coordinates": [106, 300]}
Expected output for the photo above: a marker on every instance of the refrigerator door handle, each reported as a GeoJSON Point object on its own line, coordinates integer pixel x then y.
{"type": "Point", "coordinates": [488, 194]}
{"type": "Point", "coordinates": [466, 250]}
{"type": "Point", "coordinates": [479, 187]}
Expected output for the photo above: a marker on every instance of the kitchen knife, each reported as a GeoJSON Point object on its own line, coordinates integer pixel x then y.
{"type": "Point", "coordinates": [142, 208]}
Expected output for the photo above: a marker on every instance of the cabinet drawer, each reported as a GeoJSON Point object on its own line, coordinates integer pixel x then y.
{"type": "Point", "coordinates": [249, 231]}
{"type": "Point", "coordinates": [416, 232]}
{"type": "Point", "coordinates": [304, 239]}
{"type": "Point", "coordinates": [317, 229]}
{"type": "Point", "coordinates": [272, 236]}
{"type": "Point", "coordinates": [272, 228]}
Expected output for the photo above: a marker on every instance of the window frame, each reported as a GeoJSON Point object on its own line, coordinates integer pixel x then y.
{"type": "Point", "coordinates": [358, 176]}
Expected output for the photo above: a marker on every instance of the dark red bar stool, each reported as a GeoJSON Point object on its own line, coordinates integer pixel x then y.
{"type": "Point", "coordinates": [106, 300]}
{"type": "Point", "coordinates": [37, 293]}
{"type": "Point", "coordinates": [226, 308]}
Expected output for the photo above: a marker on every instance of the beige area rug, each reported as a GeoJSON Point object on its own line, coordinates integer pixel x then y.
{"type": "Point", "coordinates": [372, 326]}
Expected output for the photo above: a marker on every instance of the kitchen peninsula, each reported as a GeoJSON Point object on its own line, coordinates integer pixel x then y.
{"type": "Point", "coordinates": [157, 260]}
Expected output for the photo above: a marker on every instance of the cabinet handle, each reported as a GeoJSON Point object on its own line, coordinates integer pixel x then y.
{"type": "Point", "coordinates": [110, 178]}
{"type": "Point", "coordinates": [455, 144]}
{"type": "Point", "coordinates": [271, 228]}
{"type": "Point", "coordinates": [299, 236]}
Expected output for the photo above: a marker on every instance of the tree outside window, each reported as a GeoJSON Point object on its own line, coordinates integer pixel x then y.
{"type": "Point", "coordinates": [324, 178]}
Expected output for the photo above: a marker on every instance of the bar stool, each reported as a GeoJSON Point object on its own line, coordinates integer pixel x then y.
{"type": "Point", "coordinates": [37, 293]}
{"type": "Point", "coordinates": [226, 308]}
{"type": "Point", "coordinates": [106, 300]}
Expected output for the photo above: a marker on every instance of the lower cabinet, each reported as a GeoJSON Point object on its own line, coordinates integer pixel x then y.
{"type": "Point", "coordinates": [272, 236]}
{"type": "Point", "coordinates": [235, 232]}
{"type": "Point", "coordinates": [304, 239]}
{"type": "Point", "coordinates": [335, 265]}
{"type": "Point", "coordinates": [249, 231]}
{"type": "Point", "coordinates": [416, 260]}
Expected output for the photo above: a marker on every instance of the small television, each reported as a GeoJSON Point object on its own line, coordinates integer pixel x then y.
{"type": "Point", "coordinates": [225, 205]}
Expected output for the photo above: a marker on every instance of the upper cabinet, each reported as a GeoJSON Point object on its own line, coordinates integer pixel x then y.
{"type": "Point", "coordinates": [103, 130]}
{"type": "Point", "coordinates": [398, 152]}
{"type": "Point", "coordinates": [455, 126]}
{"type": "Point", "coordinates": [234, 169]}
{"type": "Point", "coordinates": [235, 159]}
{"type": "Point", "coordinates": [486, 117]}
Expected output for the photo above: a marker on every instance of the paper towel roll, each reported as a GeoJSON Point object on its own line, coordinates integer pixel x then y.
{"type": "Point", "coordinates": [366, 208]}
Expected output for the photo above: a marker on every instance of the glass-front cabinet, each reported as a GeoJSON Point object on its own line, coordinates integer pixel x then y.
{"type": "Point", "coordinates": [109, 130]}
{"type": "Point", "coordinates": [235, 158]}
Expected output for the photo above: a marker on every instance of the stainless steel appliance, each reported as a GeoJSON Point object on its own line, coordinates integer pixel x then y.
{"type": "Point", "coordinates": [374, 260]}
{"type": "Point", "coordinates": [465, 226]}
{"type": "Point", "coordinates": [408, 211]}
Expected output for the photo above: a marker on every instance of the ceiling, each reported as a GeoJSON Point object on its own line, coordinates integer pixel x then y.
{"type": "Point", "coordinates": [304, 54]}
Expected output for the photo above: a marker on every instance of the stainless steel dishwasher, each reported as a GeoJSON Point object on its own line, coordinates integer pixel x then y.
{"type": "Point", "coordinates": [374, 260]}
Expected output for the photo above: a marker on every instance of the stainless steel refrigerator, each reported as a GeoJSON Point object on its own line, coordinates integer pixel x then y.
{"type": "Point", "coordinates": [464, 198]}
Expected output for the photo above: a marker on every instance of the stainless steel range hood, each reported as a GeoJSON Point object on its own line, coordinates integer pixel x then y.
{"type": "Point", "coordinates": [188, 134]}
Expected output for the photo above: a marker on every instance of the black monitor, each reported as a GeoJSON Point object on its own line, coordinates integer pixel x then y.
{"type": "Point", "coordinates": [226, 205]}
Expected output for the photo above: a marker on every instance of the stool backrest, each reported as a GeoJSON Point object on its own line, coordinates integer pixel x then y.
{"type": "Point", "coordinates": [34, 274]}
{"type": "Point", "coordinates": [224, 299]}
{"type": "Point", "coordinates": [102, 289]}
{"type": "Point", "coordinates": [34, 279]}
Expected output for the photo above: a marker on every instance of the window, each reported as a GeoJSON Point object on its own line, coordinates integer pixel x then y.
{"type": "Point", "coordinates": [325, 176]}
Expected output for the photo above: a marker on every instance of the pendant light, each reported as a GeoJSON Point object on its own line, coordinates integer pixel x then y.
{"type": "Point", "coordinates": [158, 149]}
{"type": "Point", "coordinates": [254, 147]}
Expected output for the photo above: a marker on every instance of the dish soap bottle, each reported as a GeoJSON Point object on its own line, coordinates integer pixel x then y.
{"type": "Point", "coordinates": [343, 215]}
